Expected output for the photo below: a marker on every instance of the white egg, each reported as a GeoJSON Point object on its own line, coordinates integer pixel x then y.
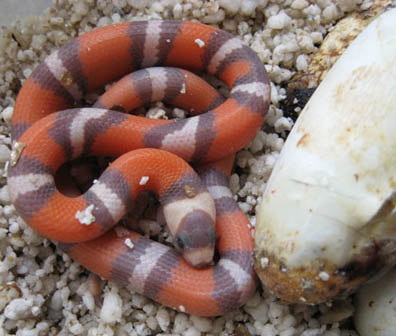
{"type": "Point", "coordinates": [327, 223]}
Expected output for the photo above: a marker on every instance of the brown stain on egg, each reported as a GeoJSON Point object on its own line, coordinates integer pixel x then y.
{"type": "Point", "coordinates": [392, 182]}
{"type": "Point", "coordinates": [303, 140]}
{"type": "Point", "coordinates": [344, 91]}
{"type": "Point", "coordinates": [305, 285]}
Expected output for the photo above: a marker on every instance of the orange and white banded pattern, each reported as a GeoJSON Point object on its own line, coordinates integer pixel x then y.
{"type": "Point", "coordinates": [198, 207]}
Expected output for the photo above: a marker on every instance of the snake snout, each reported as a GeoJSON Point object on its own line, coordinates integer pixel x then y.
{"type": "Point", "coordinates": [196, 237]}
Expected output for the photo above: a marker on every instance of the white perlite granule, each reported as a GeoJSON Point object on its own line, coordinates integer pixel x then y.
{"type": "Point", "coordinates": [200, 43]}
{"type": "Point", "coordinates": [43, 291]}
{"type": "Point", "coordinates": [85, 216]}
{"type": "Point", "coordinates": [144, 180]}
{"type": "Point", "coordinates": [111, 311]}
{"type": "Point", "coordinates": [324, 276]}
{"type": "Point", "coordinates": [183, 89]}
{"type": "Point", "coordinates": [128, 242]}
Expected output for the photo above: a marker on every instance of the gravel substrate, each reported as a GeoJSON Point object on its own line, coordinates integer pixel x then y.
{"type": "Point", "coordinates": [43, 292]}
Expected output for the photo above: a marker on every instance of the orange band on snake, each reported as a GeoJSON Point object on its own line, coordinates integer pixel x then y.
{"type": "Point", "coordinates": [150, 156]}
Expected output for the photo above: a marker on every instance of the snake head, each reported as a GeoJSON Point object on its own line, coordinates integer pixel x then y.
{"type": "Point", "coordinates": [191, 222]}
{"type": "Point", "coordinates": [195, 238]}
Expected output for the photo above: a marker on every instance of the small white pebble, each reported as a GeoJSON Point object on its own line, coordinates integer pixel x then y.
{"type": "Point", "coordinates": [264, 262]}
{"type": "Point", "coordinates": [200, 43]}
{"type": "Point", "coordinates": [256, 145]}
{"type": "Point", "coordinates": [181, 323]}
{"type": "Point", "coordinates": [85, 216]}
{"type": "Point", "coordinates": [156, 113]}
{"type": "Point", "coordinates": [330, 12]}
{"type": "Point", "coordinates": [18, 309]}
{"type": "Point", "coordinates": [6, 114]}
{"type": "Point", "coordinates": [13, 227]}
{"type": "Point", "coordinates": [76, 328]}
{"type": "Point", "coordinates": [179, 113]}
{"type": "Point", "coordinates": [299, 4]}
{"type": "Point", "coordinates": [81, 8]}
{"type": "Point", "coordinates": [103, 21]}
{"type": "Point", "coordinates": [283, 124]}
{"type": "Point", "coordinates": [38, 41]}
{"type": "Point", "coordinates": [129, 243]}
{"type": "Point", "coordinates": [111, 311]}
{"type": "Point", "coordinates": [259, 313]}
{"type": "Point", "coordinates": [279, 21]}
{"type": "Point", "coordinates": [302, 63]}
{"type": "Point", "coordinates": [35, 311]}
{"type": "Point", "coordinates": [218, 17]}
{"type": "Point", "coordinates": [163, 318]}
{"type": "Point", "coordinates": [245, 207]}
{"type": "Point", "coordinates": [58, 298]}
{"type": "Point", "coordinates": [231, 6]}
{"type": "Point", "coordinates": [3, 234]}
{"type": "Point", "coordinates": [149, 227]}
{"type": "Point", "coordinates": [139, 328]}
{"type": "Point", "coordinates": [317, 37]}
{"type": "Point", "coordinates": [57, 20]}
{"type": "Point", "coordinates": [192, 332]}
{"type": "Point", "coordinates": [42, 326]}
{"type": "Point", "coordinates": [138, 301]}
{"type": "Point", "coordinates": [152, 323]}
{"type": "Point", "coordinates": [27, 72]}
{"type": "Point", "coordinates": [88, 300]}
{"type": "Point", "coordinates": [149, 309]}
{"type": "Point", "coordinates": [248, 7]}
{"type": "Point", "coordinates": [324, 276]}
{"type": "Point", "coordinates": [183, 89]}
{"type": "Point", "coordinates": [8, 210]}
{"type": "Point", "coordinates": [203, 324]}
{"type": "Point", "coordinates": [288, 332]}
{"type": "Point", "coordinates": [276, 311]}
{"type": "Point", "coordinates": [4, 195]}
{"type": "Point", "coordinates": [178, 11]}
{"type": "Point", "coordinates": [144, 180]}
{"type": "Point", "coordinates": [366, 5]}
{"type": "Point", "coordinates": [157, 7]}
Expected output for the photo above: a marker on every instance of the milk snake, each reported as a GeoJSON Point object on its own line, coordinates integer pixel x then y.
{"type": "Point", "coordinates": [150, 156]}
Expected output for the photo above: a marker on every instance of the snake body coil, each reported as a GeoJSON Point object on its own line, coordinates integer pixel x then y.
{"type": "Point", "coordinates": [149, 150]}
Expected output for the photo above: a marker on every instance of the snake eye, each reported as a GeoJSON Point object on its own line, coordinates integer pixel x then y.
{"type": "Point", "coordinates": [183, 241]}
{"type": "Point", "coordinates": [179, 243]}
